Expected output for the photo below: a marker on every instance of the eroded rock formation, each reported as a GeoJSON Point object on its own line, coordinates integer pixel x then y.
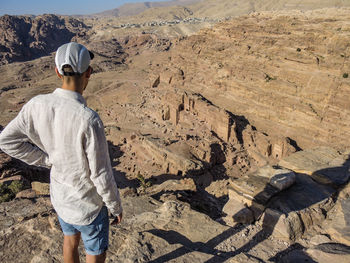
{"type": "Point", "coordinates": [24, 38]}
{"type": "Point", "coordinates": [205, 136]}
{"type": "Point", "coordinates": [287, 74]}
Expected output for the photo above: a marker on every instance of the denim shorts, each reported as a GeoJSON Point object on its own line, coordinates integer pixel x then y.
{"type": "Point", "coordinates": [94, 235]}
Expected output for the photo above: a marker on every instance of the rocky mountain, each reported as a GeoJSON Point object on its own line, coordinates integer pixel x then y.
{"type": "Point", "coordinates": [25, 38]}
{"type": "Point", "coordinates": [224, 8]}
{"type": "Point", "coordinates": [227, 136]}
{"type": "Point", "coordinates": [286, 75]}
{"type": "Point", "coordinates": [132, 9]}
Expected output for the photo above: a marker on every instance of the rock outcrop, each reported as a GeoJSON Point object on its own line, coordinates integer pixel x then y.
{"type": "Point", "coordinates": [205, 136]}
{"type": "Point", "coordinates": [24, 38]}
{"type": "Point", "coordinates": [292, 202]}
{"type": "Point", "coordinates": [283, 71]}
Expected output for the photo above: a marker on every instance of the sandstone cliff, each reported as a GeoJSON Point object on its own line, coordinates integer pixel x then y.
{"type": "Point", "coordinates": [205, 136]}
{"type": "Point", "coordinates": [287, 74]}
{"type": "Point", "coordinates": [24, 38]}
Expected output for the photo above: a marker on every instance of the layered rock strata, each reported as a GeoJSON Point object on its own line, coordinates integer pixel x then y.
{"type": "Point", "coordinates": [291, 202]}
{"type": "Point", "coordinates": [286, 73]}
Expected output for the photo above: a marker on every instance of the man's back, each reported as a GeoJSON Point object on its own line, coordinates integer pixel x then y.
{"type": "Point", "coordinates": [72, 135]}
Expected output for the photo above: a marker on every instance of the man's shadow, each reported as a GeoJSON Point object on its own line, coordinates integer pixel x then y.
{"type": "Point", "coordinates": [306, 191]}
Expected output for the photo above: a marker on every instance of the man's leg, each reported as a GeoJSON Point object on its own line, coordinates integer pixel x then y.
{"type": "Point", "coordinates": [70, 248]}
{"type": "Point", "coordinates": [96, 259]}
{"type": "Point", "coordinates": [95, 237]}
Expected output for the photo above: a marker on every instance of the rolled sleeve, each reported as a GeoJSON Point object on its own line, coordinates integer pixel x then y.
{"type": "Point", "coordinates": [100, 166]}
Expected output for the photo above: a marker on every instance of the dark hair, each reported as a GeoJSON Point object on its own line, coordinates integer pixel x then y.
{"type": "Point", "coordinates": [68, 71]}
{"type": "Point", "coordinates": [69, 75]}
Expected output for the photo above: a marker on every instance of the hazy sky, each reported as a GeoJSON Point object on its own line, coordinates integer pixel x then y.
{"type": "Point", "coordinates": [63, 7]}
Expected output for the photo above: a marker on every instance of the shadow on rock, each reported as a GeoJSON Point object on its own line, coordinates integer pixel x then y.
{"type": "Point", "coordinates": [198, 198]}
{"type": "Point", "coordinates": [284, 214]}
{"type": "Point", "coordinates": [120, 177]}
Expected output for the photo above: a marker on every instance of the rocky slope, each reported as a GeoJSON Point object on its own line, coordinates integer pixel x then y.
{"type": "Point", "coordinates": [286, 73]}
{"type": "Point", "coordinates": [205, 135]}
{"type": "Point", "coordinates": [175, 21]}
{"type": "Point", "coordinates": [223, 8]}
{"type": "Point", "coordinates": [24, 38]}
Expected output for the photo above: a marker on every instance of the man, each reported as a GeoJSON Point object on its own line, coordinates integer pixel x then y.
{"type": "Point", "coordinates": [58, 130]}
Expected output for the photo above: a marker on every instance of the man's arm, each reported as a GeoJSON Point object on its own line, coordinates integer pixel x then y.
{"type": "Point", "coordinates": [100, 167]}
{"type": "Point", "coordinates": [15, 142]}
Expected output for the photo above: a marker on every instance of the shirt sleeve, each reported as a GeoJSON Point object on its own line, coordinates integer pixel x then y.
{"type": "Point", "coordinates": [100, 167]}
{"type": "Point", "coordinates": [15, 142]}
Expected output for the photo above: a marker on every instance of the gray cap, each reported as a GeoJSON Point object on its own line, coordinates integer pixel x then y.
{"type": "Point", "coordinates": [75, 55]}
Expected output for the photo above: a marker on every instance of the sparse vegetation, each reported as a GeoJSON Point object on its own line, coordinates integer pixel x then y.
{"type": "Point", "coordinates": [8, 192]}
{"type": "Point", "coordinates": [345, 75]}
{"type": "Point", "coordinates": [268, 78]}
{"type": "Point", "coordinates": [5, 193]}
{"type": "Point", "coordinates": [143, 183]}
{"type": "Point", "coordinates": [16, 187]}
{"type": "Point", "coordinates": [298, 49]}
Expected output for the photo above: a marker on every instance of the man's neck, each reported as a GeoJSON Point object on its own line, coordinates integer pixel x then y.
{"type": "Point", "coordinates": [72, 88]}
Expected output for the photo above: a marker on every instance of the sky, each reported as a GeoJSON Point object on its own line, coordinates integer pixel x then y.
{"type": "Point", "coordinates": [62, 7]}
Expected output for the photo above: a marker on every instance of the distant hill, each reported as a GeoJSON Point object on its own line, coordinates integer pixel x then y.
{"type": "Point", "coordinates": [218, 8]}
{"type": "Point", "coordinates": [23, 38]}
{"type": "Point", "coordinates": [137, 8]}
{"type": "Point", "coordinates": [223, 8]}
{"type": "Point", "coordinates": [166, 14]}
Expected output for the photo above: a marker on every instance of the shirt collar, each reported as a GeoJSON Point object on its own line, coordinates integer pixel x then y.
{"type": "Point", "coordinates": [70, 95]}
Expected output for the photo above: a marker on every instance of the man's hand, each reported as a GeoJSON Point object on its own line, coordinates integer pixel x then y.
{"type": "Point", "coordinates": [117, 219]}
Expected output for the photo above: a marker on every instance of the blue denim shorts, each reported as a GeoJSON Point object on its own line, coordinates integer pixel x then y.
{"type": "Point", "coordinates": [94, 235]}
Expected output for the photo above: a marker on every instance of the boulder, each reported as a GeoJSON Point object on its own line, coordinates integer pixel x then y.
{"type": "Point", "coordinates": [279, 177]}
{"type": "Point", "coordinates": [281, 226]}
{"type": "Point", "coordinates": [325, 165]}
{"type": "Point", "coordinates": [237, 212]}
{"type": "Point", "coordinates": [253, 188]}
{"type": "Point", "coordinates": [41, 188]}
{"type": "Point", "coordinates": [263, 184]}
{"type": "Point", "coordinates": [307, 200]}
{"type": "Point", "coordinates": [303, 194]}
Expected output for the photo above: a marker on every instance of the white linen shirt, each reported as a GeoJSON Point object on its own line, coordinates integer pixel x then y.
{"type": "Point", "coordinates": [58, 130]}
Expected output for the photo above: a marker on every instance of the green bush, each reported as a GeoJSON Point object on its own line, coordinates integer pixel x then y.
{"type": "Point", "coordinates": [345, 75]}
{"type": "Point", "coordinates": [16, 187]}
{"type": "Point", "coordinates": [143, 182]}
{"type": "Point", "coordinates": [6, 197]}
{"type": "Point", "coordinates": [7, 193]}
{"type": "Point", "coordinates": [3, 189]}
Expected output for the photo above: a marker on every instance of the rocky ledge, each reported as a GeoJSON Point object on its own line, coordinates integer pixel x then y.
{"type": "Point", "coordinates": [297, 210]}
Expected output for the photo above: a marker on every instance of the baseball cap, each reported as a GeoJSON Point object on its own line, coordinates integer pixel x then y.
{"type": "Point", "coordinates": [75, 55]}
